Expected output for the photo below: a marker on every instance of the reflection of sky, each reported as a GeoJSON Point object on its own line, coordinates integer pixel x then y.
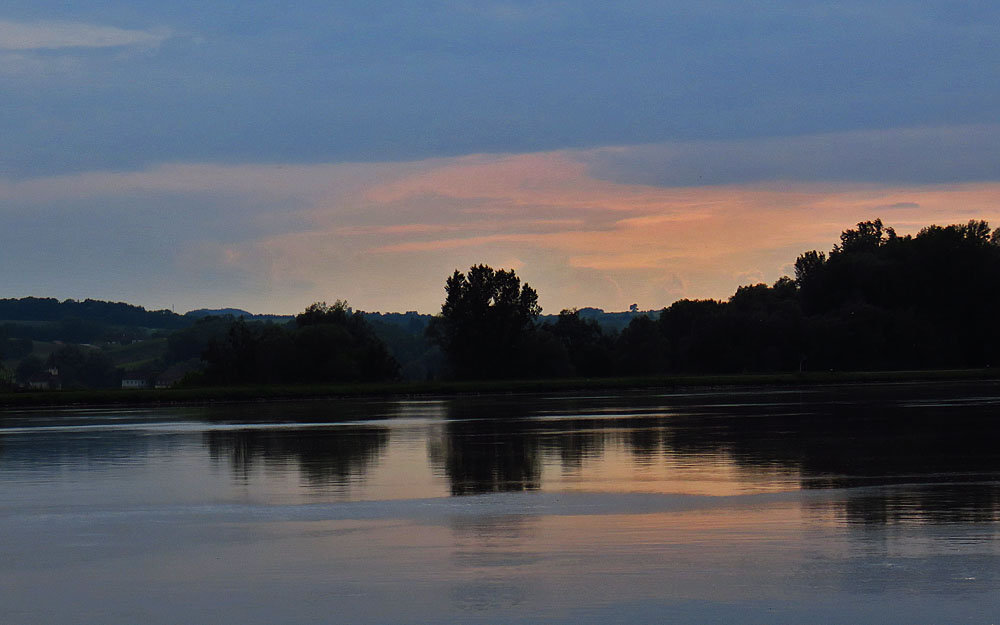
{"type": "Point", "coordinates": [636, 518]}
{"type": "Point", "coordinates": [174, 458]}
{"type": "Point", "coordinates": [748, 564]}
{"type": "Point", "coordinates": [617, 469]}
{"type": "Point", "coordinates": [723, 445]}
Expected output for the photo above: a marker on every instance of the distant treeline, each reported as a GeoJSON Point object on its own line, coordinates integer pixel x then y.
{"type": "Point", "coordinates": [89, 321]}
{"type": "Point", "coordinates": [90, 310]}
{"type": "Point", "coordinates": [876, 301]}
{"type": "Point", "coordinates": [322, 344]}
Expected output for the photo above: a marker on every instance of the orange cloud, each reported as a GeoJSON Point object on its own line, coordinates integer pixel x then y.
{"type": "Point", "coordinates": [644, 244]}
{"type": "Point", "coordinates": [385, 236]}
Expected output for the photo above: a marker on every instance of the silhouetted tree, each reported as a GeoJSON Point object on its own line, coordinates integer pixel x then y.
{"type": "Point", "coordinates": [867, 238]}
{"type": "Point", "coordinates": [808, 265]}
{"type": "Point", "coordinates": [642, 348]}
{"type": "Point", "coordinates": [885, 301]}
{"type": "Point", "coordinates": [588, 349]}
{"type": "Point", "coordinates": [191, 342]}
{"type": "Point", "coordinates": [335, 343]}
{"type": "Point", "coordinates": [484, 322]}
{"type": "Point", "coordinates": [82, 367]}
{"type": "Point", "coordinates": [323, 344]}
{"type": "Point", "coordinates": [690, 330]}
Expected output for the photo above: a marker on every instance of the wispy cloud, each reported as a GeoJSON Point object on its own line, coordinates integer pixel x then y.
{"type": "Point", "coordinates": [57, 35]}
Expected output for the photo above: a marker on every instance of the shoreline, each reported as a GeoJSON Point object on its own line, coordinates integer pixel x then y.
{"type": "Point", "coordinates": [674, 383]}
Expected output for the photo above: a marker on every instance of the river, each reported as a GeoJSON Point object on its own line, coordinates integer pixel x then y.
{"type": "Point", "coordinates": [860, 503]}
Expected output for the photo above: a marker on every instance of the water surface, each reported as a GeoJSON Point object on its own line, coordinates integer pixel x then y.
{"type": "Point", "coordinates": [833, 505]}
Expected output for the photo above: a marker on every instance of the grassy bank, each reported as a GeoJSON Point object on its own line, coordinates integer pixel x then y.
{"type": "Point", "coordinates": [113, 397]}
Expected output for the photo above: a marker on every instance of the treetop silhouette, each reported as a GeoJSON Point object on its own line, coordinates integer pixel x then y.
{"type": "Point", "coordinates": [486, 316]}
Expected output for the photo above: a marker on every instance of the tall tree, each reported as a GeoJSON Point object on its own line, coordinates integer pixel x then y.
{"type": "Point", "coordinates": [485, 319]}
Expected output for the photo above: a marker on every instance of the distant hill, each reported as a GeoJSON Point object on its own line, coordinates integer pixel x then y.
{"type": "Point", "coordinates": [47, 319]}
{"type": "Point", "coordinates": [615, 321]}
{"type": "Point", "coordinates": [48, 309]}
{"type": "Point", "coordinates": [415, 322]}
{"type": "Point", "coordinates": [217, 312]}
{"type": "Point", "coordinates": [237, 313]}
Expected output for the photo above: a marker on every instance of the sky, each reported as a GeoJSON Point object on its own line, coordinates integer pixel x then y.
{"type": "Point", "coordinates": [267, 155]}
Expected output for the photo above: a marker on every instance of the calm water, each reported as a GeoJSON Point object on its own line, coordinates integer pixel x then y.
{"type": "Point", "coordinates": [845, 505]}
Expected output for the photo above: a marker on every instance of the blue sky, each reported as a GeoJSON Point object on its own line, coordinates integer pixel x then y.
{"type": "Point", "coordinates": [207, 154]}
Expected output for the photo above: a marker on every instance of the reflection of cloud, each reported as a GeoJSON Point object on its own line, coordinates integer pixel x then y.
{"type": "Point", "coordinates": [54, 35]}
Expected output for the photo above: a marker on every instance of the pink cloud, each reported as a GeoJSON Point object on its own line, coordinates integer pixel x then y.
{"type": "Point", "coordinates": [707, 240]}
{"type": "Point", "coordinates": [385, 236]}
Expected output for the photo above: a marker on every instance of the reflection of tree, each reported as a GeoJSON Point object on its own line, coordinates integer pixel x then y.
{"type": "Point", "coordinates": [895, 441]}
{"type": "Point", "coordinates": [574, 446]}
{"type": "Point", "coordinates": [644, 441]}
{"type": "Point", "coordinates": [956, 503]}
{"type": "Point", "coordinates": [329, 457]}
{"type": "Point", "coordinates": [899, 442]}
{"type": "Point", "coordinates": [488, 456]}
{"type": "Point", "coordinates": [497, 444]}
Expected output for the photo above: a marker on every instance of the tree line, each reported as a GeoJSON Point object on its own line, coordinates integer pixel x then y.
{"type": "Point", "coordinates": [877, 301]}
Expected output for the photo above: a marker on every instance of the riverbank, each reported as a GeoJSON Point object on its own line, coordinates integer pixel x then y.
{"type": "Point", "coordinates": [122, 397]}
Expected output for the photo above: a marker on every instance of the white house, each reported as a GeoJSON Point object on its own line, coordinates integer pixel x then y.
{"type": "Point", "coordinates": [136, 379]}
